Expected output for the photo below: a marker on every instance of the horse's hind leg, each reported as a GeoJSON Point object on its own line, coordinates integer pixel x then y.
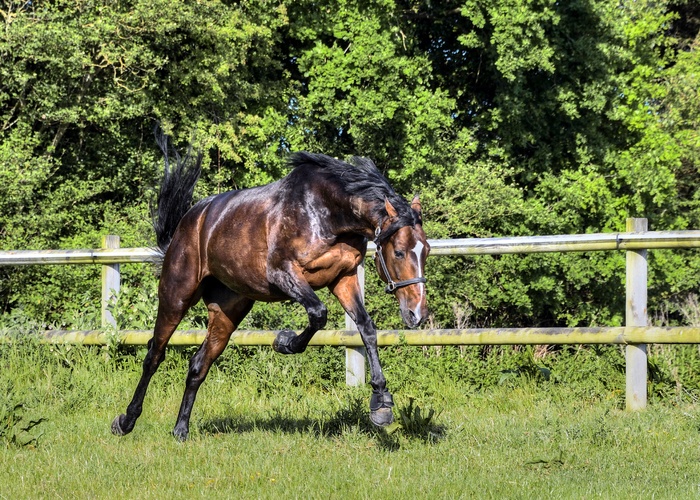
{"type": "Point", "coordinates": [166, 323]}
{"type": "Point", "coordinates": [226, 310]}
{"type": "Point", "coordinates": [177, 293]}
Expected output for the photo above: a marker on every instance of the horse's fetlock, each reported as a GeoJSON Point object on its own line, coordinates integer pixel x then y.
{"type": "Point", "coordinates": [318, 316]}
{"type": "Point", "coordinates": [181, 432]}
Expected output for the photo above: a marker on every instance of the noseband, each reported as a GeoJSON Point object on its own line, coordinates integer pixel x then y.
{"type": "Point", "coordinates": [391, 285]}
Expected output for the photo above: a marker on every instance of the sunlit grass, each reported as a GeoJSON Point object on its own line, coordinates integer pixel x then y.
{"type": "Point", "coordinates": [265, 439]}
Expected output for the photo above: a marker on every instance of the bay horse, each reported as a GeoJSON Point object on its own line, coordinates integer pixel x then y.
{"type": "Point", "coordinates": [278, 242]}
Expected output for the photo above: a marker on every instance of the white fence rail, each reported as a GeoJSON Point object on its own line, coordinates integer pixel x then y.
{"type": "Point", "coordinates": [466, 246]}
{"type": "Point", "coordinates": [635, 335]}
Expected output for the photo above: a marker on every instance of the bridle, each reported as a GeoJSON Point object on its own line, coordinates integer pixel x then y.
{"type": "Point", "coordinates": [391, 285]}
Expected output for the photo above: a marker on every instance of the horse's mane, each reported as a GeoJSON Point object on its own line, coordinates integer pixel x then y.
{"type": "Point", "coordinates": [361, 178]}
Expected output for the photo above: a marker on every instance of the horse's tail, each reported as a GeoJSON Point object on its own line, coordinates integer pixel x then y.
{"type": "Point", "coordinates": [176, 190]}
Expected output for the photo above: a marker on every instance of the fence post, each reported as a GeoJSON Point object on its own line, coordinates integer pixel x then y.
{"type": "Point", "coordinates": [110, 282]}
{"type": "Point", "coordinates": [636, 315]}
{"type": "Point", "coordinates": [355, 356]}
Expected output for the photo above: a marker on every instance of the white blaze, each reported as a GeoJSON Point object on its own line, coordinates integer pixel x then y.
{"type": "Point", "coordinates": [417, 251]}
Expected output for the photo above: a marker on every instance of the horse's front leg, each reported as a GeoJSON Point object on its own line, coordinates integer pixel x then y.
{"type": "Point", "coordinates": [347, 291]}
{"type": "Point", "coordinates": [292, 283]}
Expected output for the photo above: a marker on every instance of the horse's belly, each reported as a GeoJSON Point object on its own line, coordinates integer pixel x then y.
{"type": "Point", "coordinates": [247, 281]}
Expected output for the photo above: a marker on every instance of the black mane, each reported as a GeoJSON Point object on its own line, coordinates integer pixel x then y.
{"type": "Point", "coordinates": [361, 178]}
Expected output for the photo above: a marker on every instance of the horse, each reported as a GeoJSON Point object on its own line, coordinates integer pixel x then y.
{"type": "Point", "coordinates": [281, 241]}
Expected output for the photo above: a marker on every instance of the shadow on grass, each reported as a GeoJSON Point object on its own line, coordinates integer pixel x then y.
{"type": "Point", "coordinates": [352, 419]}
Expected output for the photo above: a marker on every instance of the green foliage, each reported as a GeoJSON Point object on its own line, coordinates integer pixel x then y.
{"type": "Point", "coordinates": [17, 428]}
{"type": "Point", "coordinates": [511, 117]}
{"type": "Point", "coordinates": [366, 91]}
{"type": "Point", "coordinates": [413, 422]}
{"type": "Point", "coordinates": [82, 87]}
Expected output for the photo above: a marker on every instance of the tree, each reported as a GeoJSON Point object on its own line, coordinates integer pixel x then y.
{"type": "Point", "coordinates": [512, 117]}
{"type": "Point", "coordinates": [82, 86]}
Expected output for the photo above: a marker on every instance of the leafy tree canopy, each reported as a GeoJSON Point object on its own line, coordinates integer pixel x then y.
{"type": "Point", "coordinates": [511, 117]}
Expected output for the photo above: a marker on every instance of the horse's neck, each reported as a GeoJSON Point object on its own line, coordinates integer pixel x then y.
{"type": "Point", "coordinates": [365, 216]}
{"type": "Point", "coordinates": [353, 214]}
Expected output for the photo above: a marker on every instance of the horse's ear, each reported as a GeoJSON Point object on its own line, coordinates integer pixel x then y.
{"type": "Point", "coordinates": [415, 205]}
{"type": "Point", "coordinates": [390, 210]}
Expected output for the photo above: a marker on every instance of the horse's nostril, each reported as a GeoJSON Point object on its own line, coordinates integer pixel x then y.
{"type": "Point", "coordinates": [414, 320]}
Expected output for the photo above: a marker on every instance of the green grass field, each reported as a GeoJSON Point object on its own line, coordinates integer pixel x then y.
{"type": "Point", "coordinates": [269, 429]}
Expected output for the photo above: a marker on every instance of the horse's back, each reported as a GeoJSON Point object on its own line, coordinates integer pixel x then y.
{"type": "Point", "coordinates": [238, 236]}
{"type": "Point", "coordinates": [233, 238]}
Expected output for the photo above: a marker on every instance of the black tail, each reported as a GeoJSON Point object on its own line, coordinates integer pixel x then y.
{"type": "Point", "coordinates": [176, 189]}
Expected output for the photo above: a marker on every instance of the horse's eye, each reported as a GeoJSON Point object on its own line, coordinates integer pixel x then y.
{"type": "Point", "coordinates": [399, 254]}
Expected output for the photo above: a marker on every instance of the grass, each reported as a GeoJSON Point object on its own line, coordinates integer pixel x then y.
{"type": "Point", "coordinates": [277, 433]}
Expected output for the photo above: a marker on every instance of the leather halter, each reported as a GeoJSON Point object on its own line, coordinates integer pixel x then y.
{"type": "Point", "coordinates": [392, 285]}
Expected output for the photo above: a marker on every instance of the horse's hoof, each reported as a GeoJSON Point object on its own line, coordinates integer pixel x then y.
{"type": "Point", "coordinates": [381, 417]}
{"type": "Point", "coordinates": [117, 426]}
{"type": "Point", "coordinates": [380, 405]}
{"type": "Point", "coordinates": [180, 434]}
{"type": "Point", "coordinates": [283, 341]}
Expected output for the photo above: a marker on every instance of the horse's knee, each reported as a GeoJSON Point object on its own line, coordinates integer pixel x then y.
{"type": "Point", "coordinates": [365, 324]}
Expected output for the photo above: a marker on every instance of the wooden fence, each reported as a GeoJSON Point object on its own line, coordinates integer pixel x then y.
{"type": "Point", "coordinates": [635, 335]}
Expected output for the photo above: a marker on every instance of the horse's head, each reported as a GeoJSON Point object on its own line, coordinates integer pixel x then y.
{"type": "Point", "coordinates": [401, 263]}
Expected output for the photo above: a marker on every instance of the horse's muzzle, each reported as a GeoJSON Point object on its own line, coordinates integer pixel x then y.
{"type": "Point", "coordinates": [413, 318]}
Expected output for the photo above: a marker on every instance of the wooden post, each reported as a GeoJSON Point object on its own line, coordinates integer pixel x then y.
{"type": "Point", "coordinates": [636, 315]}
{"type": "Point", "coordinates": [355, 356]}
{"type": "Point", "coordinates": [110, 282]}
